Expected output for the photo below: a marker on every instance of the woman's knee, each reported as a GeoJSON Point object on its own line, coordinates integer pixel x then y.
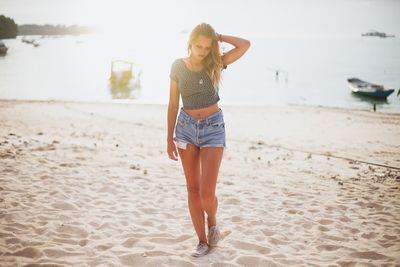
{"type": "Point", "coordinates": [207, 197]}
{"type": "Point", "coordinates": [193, 191]}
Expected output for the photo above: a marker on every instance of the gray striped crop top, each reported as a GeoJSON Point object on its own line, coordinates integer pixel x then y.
{"type": "Point", "coordinates": [196, 88]}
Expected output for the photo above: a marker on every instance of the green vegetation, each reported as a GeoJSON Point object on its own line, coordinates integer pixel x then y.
{"type": "Point", "coordinates": [8, 28]}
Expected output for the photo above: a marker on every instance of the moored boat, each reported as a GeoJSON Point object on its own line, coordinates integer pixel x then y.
{"type": "Point", "coordinates": [3, 48]}
{"type": "Point", "coordinates": [363, 88]}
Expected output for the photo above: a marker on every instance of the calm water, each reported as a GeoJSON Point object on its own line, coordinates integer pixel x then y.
{"type": "Point", "coordinates": [312, 70]}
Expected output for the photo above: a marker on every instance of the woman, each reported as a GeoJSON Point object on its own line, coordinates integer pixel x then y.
{"type": "Point", "coordinates": [200, 130]}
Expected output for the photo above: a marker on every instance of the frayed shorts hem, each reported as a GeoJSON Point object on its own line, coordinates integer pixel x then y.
{"type": "Point", "coordinates": [183, 144]}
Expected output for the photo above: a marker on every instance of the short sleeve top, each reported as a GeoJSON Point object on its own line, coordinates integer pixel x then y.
{"type": "Point", "coordinates": [196, 88]}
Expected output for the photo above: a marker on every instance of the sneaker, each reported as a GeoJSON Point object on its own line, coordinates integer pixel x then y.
{"type": "Point", "coordinates": [201, 250]}
{"type": "Point", "coordinates": [213, 236]}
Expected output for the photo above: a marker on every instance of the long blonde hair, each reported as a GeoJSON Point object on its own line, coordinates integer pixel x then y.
{"type": "Point", "coordinates": [213, 62]}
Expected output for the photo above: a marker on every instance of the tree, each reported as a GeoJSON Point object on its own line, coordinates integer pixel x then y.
{"type": "Point", "coordinates": [8, 28]}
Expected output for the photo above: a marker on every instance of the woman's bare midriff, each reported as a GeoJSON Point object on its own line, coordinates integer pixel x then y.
{"type": "Point", "coordinates": [202, 112]}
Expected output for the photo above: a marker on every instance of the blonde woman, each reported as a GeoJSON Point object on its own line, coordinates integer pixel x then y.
{"type": "Point", "coordinates": [200, 128]}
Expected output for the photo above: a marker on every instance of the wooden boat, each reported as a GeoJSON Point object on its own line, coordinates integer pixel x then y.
{"type": "Point", "coordinates": [3, 48]}
{"type": "Point", "coordinates": [123, 83]}
{"type": "Point", "coordinates": [363, 88]}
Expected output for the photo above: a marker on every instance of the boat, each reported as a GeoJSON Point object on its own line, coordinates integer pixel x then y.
{"type": "Point", "coordinates": [30, 41]}
{"type": "Point", "coordinates": [377, 34]}
{"type": "Point", "coordinates": [3, 48]}
{"type": "Point", "coordinates": [124, 84]}
{"type": "Point", "coordinates": [363, 88]}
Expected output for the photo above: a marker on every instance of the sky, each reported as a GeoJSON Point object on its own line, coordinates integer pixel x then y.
{"type": "Point", "coordinates": [252, 17]}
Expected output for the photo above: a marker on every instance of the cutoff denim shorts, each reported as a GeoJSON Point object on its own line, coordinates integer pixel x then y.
{"type": "Point", "coordinates": [204, 132]}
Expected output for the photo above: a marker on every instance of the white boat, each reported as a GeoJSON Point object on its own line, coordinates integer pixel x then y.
{"type": "Point", "coordinates": [363, 88]}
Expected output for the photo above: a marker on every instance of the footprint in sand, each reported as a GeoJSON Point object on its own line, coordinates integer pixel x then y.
{"type": "Point", "coordinates": [73, 231]}
{"type": "Point", "coordinates": [28, 252]}
{"type": "Point", "coordinates": [370, 255]}
{"type": "Point", "coordinates": [254, 261]}
{"type": "Point", "coordinates": [64, 206]}
{"type": "Point", "coordinates": [249, 246]}
{"type": "Point", "coordinates": [325, 222]}
{"type": "Point", "coordinates": [231, 201]}
{"type": "Point", "coordinates": [104, 247]}
{"type": "Point", "coordinates": [130, 242]}
{"type": "Point", "coordinates": [328, 247]}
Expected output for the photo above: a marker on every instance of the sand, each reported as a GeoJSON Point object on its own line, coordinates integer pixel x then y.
{"type": "Point", "coordinates": [85, 184]}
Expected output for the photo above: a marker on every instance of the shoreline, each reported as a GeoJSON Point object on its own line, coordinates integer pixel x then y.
{"type": "Point", "coordinates": [132, 102]}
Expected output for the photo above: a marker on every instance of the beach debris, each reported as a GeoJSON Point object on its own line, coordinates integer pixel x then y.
{"type": "Point", "coordinates": [309, 156]}
{"type": "Point", "coordinates": [83, 242]}
{"type": "Point", "coordinates": [145, 172]}
{"type": "Point", "coordinates": [371, 168]}
{"type": "Point", "coordinates": [144, 254]}
{"type": "Point", "coordinates": [340, 183]}
{"type": "Point", "coordinates": [135, 167]}
{"type": "Point", "coordinates": [39, 133]}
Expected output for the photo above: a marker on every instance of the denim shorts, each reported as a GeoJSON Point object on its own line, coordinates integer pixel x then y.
{"type": "Point", "coordinates": [204, 132]}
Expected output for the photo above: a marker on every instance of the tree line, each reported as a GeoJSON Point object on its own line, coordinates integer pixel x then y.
{"type": "Point", "coordinates": [9, 29]}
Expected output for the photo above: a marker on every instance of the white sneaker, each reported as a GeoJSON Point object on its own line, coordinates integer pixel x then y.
{"type": "Point", "coordinates": [213, 236]}
{"type": "Point", "coordinates": [201, 250]}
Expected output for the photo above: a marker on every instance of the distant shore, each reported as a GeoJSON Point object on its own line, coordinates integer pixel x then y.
{"type": "Point", "coordinates": [91, 184]}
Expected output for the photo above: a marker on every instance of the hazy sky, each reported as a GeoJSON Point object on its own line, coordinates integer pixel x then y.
{"type": "Point", "coordinates": [254, 17]}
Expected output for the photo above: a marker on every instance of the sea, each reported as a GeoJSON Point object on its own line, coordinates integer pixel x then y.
{"type": "Point", "coordinates": [282, 67]}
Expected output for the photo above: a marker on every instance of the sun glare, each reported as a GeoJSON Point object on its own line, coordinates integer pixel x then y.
{"type": "Point", "coordinates": [122, 17]}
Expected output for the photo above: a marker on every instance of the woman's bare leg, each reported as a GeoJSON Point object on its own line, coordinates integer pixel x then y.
{"type": "Point", "coordinates": [190, 158]}
{"type": "Point", "coordinates": [210, 158]}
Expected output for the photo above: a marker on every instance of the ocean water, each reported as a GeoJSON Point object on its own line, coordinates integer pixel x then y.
{"type": "Point", "coordinates": [312, 71]}
{"type": "Point", "coordinates": [314, 44]}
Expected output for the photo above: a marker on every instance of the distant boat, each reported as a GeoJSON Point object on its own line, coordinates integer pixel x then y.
{"type": "Point", "coordinates": [377, 34]}
{"type": "Point", "coordinates": [3, 48]}
{"type": "Point", "coordinates": [363, 88]}
{"type": "Point", "coordinates": [30, 41]}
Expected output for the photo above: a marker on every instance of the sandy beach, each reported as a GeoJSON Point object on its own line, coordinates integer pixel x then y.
{"type": "Point", "coordinates": [84, 184]}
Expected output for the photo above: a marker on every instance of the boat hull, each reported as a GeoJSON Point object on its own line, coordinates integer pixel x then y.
{"type": "Point", "coordinates": [3, 50]}
{"type": "Point", "coordinates": [377, 94]}
{"type": "Point", "coordinates": [363, 88]}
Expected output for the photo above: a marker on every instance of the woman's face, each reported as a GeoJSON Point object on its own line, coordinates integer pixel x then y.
{"type": "Point", "coordinates": [201, 47]}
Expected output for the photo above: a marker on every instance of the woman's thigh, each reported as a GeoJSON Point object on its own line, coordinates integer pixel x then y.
{"type": "Point", "coordinates": [190, 158]}
{"type": "Point", "coordinates": [210, 158]}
